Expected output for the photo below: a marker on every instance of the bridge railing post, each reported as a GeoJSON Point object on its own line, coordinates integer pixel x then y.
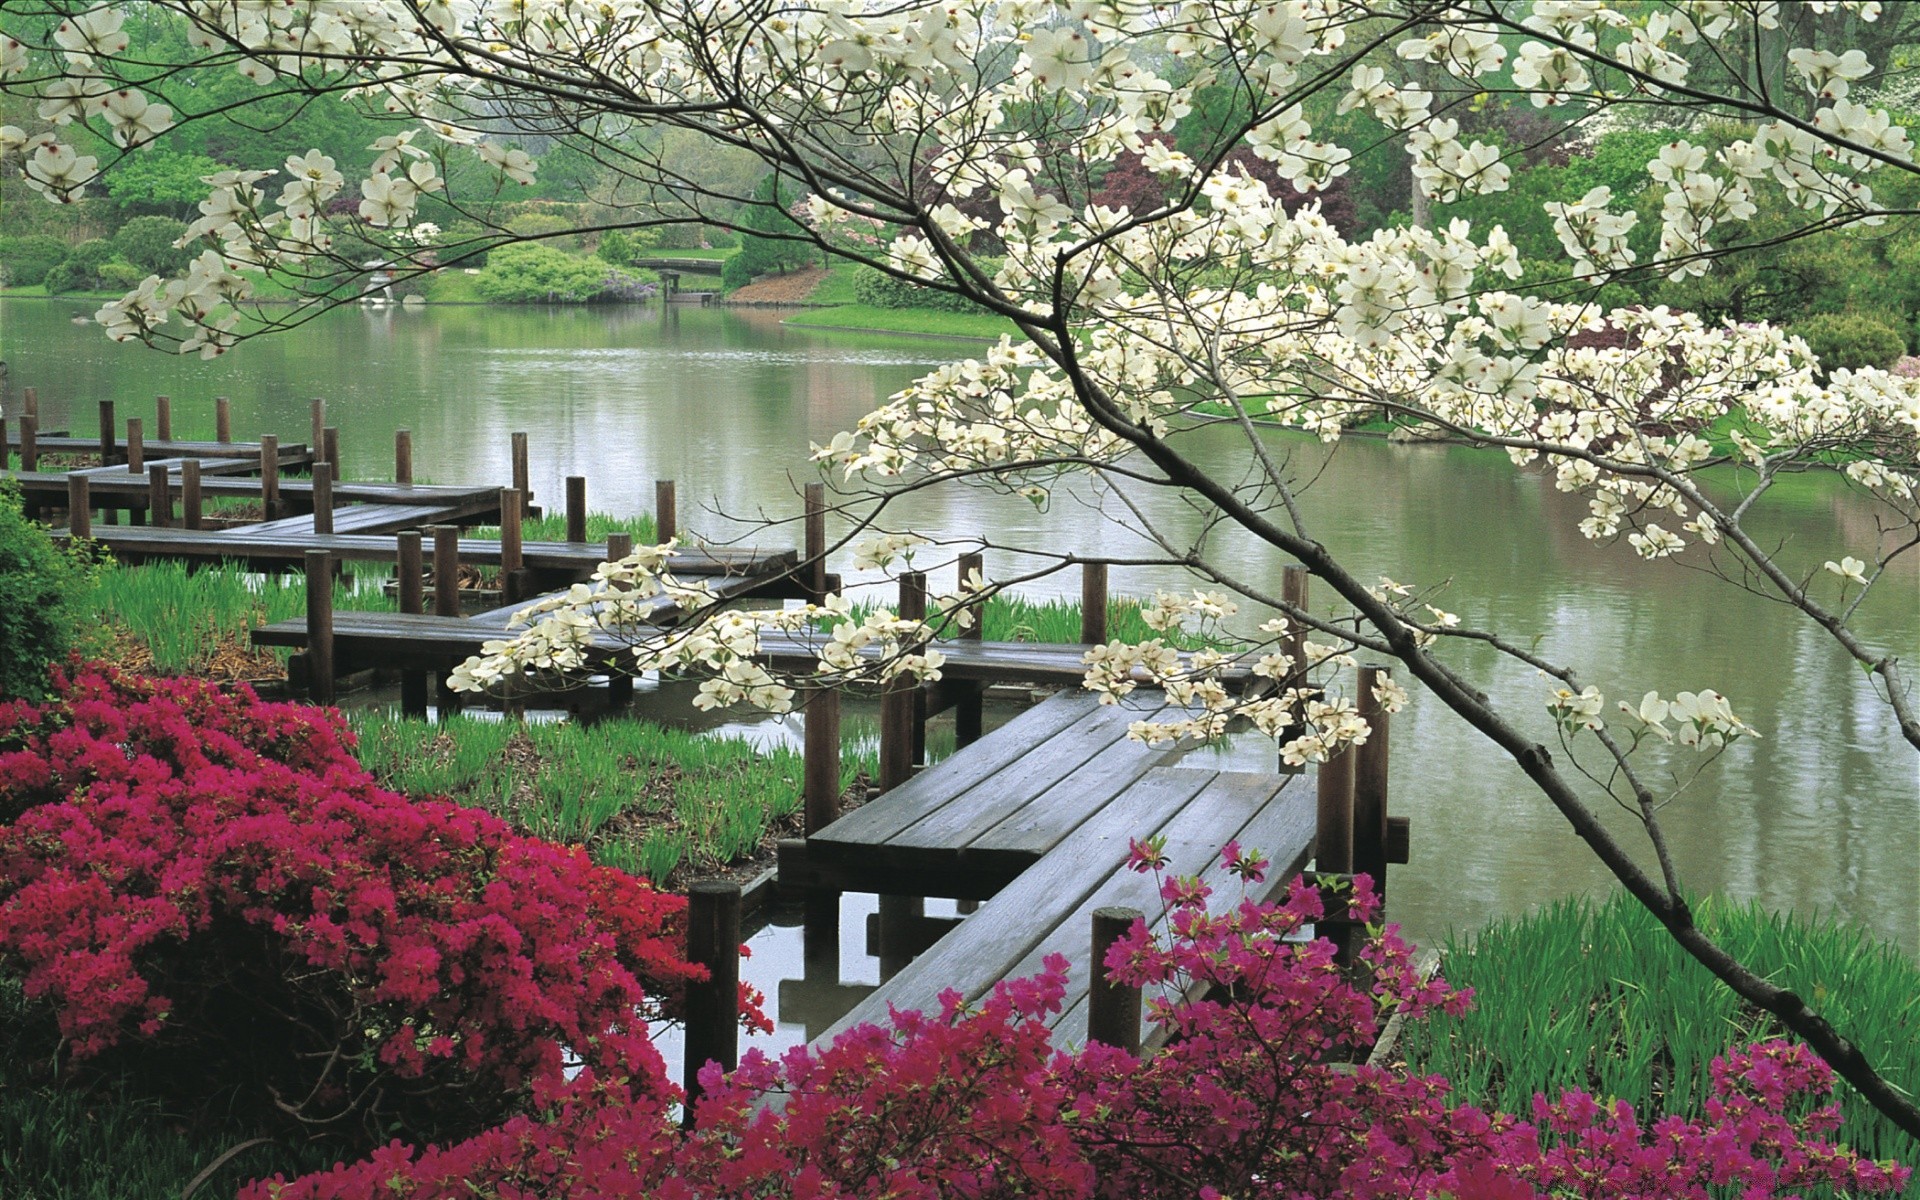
{"type": "Point", "coordinates": [1113, 1009]}
{"type": "Point", "coordinates": [320, 682]}
{"type": "Point", "coordinates": [222, 420]}
{"type": "Point", "coordinates": [666, 510]}
{"type": "Point", "coordinates": [713, 1005]}
{"type": "Point", "coordinates": [1093, 603]}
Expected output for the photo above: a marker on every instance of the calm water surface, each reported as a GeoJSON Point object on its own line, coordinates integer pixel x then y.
{"type": "Point", "coordinates": [1822, 813]}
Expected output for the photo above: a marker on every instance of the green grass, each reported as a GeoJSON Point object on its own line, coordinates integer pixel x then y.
{"type": "Point", "coordinates": [1056, 622]}
{"type": "Point", "coordinates": [868, 318]}
{"type": "Point", "coordinates": [186, 618]}
{"type": "Point", "coordinates": [715, 254]}
{"type": "Point", "coordinates": [642, 798]}
{"type": "Point", "coordinates": [453, 286]}
{"type": "Point", "coordinates": [1597, 997]}
{"type": "Point", "coordinates": [837, 286]}
{"type": "Point", "coordinates": [553, 528]}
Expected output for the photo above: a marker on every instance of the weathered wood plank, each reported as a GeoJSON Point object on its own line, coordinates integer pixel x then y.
{"type": "Point", "coordinates": [885, 818]}
{"type": "Point", "coordinates": [990, 942]}
{"type": "Point", "coordinates": [352, 519]}
{"type": "Point", "coordinates": [292, 454]}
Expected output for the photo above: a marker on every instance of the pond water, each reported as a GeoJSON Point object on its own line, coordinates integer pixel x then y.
{"type": "Point", "coordinates": [1821, 813]}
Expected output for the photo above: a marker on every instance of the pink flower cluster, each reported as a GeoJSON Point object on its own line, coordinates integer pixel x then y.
{"type": "Point", "coordinates": [189, 873]}
{"type": "Point", "coordinates": [1253, 1096]}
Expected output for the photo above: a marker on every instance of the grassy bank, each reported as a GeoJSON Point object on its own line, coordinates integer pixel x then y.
{"type": "Point", "coordinates": [552, 527]}
{"type": "Point", "coordinates": [1597, 997]}
{"type": "Point", "coordinates": [165, 618]}
{"type": "Point", "coordinates": [645, 799]}
{"type": "Point", "coordinates": [866, 318]}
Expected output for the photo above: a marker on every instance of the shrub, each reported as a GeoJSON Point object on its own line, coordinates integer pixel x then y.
{"type": "Point", "coordinates": [876, 287]}
{"type": "Point", "coordinates": [43, 594]}
{"type": "Point", "coordinates": [536, 274]}
{"type": "Point", "coordinates": [1248, 1099]}
{"type": "Point", "coordinates": [26, 260]}
{"type": "Point", "coordinates": [119, 276]}
{"type": "Point", "coordinates": [79, 271]}
{"type": "Point", "coordinates": [615, 247]}
{"type": "Point", "coordinates": [1850, 341]}
{"type": "Point", "coordinates": [210, 896]}
{"type": "Point", "coordinates": [65, 278]}
{"type": "Point", "coordinates": [543, 225]}
{"type": "Point", "coordinates": [148, 243]}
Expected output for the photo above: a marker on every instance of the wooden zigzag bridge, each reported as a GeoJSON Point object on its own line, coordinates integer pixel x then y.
{"type": "Point", "coordinates": [1027, 826]}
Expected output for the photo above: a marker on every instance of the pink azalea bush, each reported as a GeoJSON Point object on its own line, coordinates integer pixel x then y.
{"type": "Point", "coordinates": [1254, 1096]}
{"type": "Point", "coordinates": [209, 892]}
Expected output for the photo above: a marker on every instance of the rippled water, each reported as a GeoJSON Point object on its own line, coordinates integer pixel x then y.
{"type": "Point", "coordinates": [1823, 812]}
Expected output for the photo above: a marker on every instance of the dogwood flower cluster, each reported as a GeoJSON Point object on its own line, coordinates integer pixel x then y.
{"type": "Point", "coordinates": [760, 657]}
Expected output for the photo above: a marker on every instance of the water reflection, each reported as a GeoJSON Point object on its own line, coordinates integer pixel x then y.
{"type": "Point", "coordinates": [1823, 812]}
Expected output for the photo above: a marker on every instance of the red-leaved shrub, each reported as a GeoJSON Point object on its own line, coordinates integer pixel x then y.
{"type": "Point", "coordinates": [208, 891]}
{"type": "Point", "coordinates": [1251, 1099]}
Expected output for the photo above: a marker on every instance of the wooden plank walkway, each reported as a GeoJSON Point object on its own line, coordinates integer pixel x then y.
{"type": "Point", "coordinates": [352, 519]}
{"type": "Point", "coordinates": [292, 454]}
{"type": "Point", "coordinates": [1036, 819]}
{"type": "Point", "coordinates": [226, 478]}
{"type": "Point", "coordinates": [1049, 908]}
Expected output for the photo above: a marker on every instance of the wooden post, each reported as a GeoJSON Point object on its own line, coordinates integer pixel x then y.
{"type": "Point", "coordinates": [403, 456]}
{"type": "Point", "coordinates": [913, 606]}
{"type": "Point", "coordinates": [522, 477]}
{"type": "Point", "coordinates": [316, 437]}
{"type": "Point", "coordinates": [512, 557]}
{"type": "Point", "coordinates": [1093, 603]}
{"type": "Point", "coordinates": [270, 475]}
{"type": "Point", "coordinates": [969, 714]}
{"type": "Point", "coordinates": [576, 508]}
{"type": "Point", "coordinates": [6, 448]}
{"type": "Point", "coordinates": [159, 499]}
{"type": "Point", "coordinates": [106, 433]}
{"type": "Point", "coordinates": [323, 497]}
{"type": "Point", "coordinates": [822, 760]}
{"type": "Point", "coordinates": [79, 506]}
{"type": "Point", "coordinates": [1333, 840]}
{"type": "Point", "coordinates": [136, 446]}
{"type": "Point", "coordinates": [1293, 590]}
{"type": "Point", "coordinates": [163, 418]}
{"type": "Point", "coordinates": [446, 602]}
{"type": "Point", "coordinates": [713, 1005]}
{"type": "Point", "coordinates": [30, 403]}
{"type": "Point", "coordinates": [1113, 1009]}
{"type": "Point", "coordinates": [1370, 783]}
{"type": "Point", "coordinates": [29, 442]}
{"type": "Point", "coordinates": [619, 682]}
{"type": "Point", "coordinates": [666, 512]}
{"type": "Point", "coordinates": [446, 570]}
{"type": "Point", "coordinates": [330, 447]}
{"type": "Point", "coordinates": [896, 734]}
{"type": "Point", "coordinates": [190, 515]}
{"type": "Point", "coordinates": [813, 566]}
{"type": "Point", "coordinates": [320, 626]}
{"type": "Point", "coordinates": [408, 567]}
{"type": "Point", "coordinates": [222, 419]}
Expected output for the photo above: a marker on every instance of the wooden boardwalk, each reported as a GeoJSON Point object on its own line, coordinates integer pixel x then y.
{"type": "Point", "coordinates": [1036, 818]}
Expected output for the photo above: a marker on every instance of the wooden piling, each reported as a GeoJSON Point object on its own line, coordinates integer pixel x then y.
{"type": "Point", "coordinates": [1370, 783]}
{"type": "Point", "coordinates": [511, 559]}
{"type": "Point", "coordinates": [1333, 840]}
{"type": "Point", "coordinates": [320, 626]}
{"type": "Point", "coordinates": [159, 496]}
{"type": "Point", "coordinates": [79, 506]}
{"type": "Point", "coordinates": [813, 566]}
{"type": "Point", "coordinates": [270, 475]}
{"type": "Point", "coordinates": [163, 418]}
{"type": "Point", "coordinates": [822, 760]}
{"type": "Point", "coordinates": [576, 508]}
{"type": "Point", "coordinates": [666, 510]}
{"type": "Point", "coordinates": [6, 448]}
{"type": "Point", "coordinates": [403, 456]}
{"type": "Point", "coordinates": [446, 570]}
{"type": "Point", "coordinates": [713, 1004]}
{"type": "Point", "coordinates": [1093, 603]}
{"type": "Point", "coordinates": [190, 504]}
{"type": "Point", "coordinates": [30, 403]}
{"type": "Point", "coordinates": [107, 451]}
{"type": "Point", "coordinates": [1113, 1009]}
{"type": "Point", "coordinates": [329, 447]}
{"type": "Point", "coordinates": [29, 442]}
{"type": "Point", "coordinates": [969, 713]}
{"type": "Point", "coordinates": [522, 475]}
{"type": "Point", "coordinates": [619, 682]}
{"type": "Point", "coordinates": [136, 446]}
{"type": "Point", "coordinates": [222, 419]}
{"type": "Point", "coordinates": [323, 497]}
{"type": "Point", "coordinates": [316, 436]}
{"type": "Point", "coordinates": [913, 607]}
{"type": "Point", "coordinates": [408, 568]}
